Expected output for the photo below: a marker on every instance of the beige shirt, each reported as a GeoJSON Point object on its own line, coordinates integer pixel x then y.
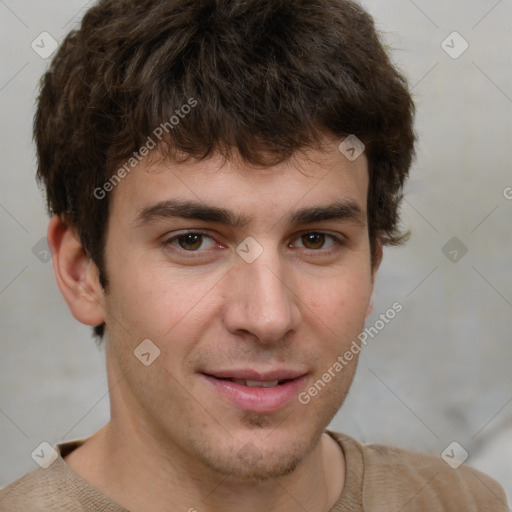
{"type": "Point", "coordinates": [378, 479]}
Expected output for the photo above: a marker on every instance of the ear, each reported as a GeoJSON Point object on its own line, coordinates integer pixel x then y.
{"type": "Point", "coordinates": [77, 276]}
{"type": "Point", "coordinates": [377, 259]}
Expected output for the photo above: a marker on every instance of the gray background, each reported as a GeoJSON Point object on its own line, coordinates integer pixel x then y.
{"type": "Point", "coordinates": [438, 373]}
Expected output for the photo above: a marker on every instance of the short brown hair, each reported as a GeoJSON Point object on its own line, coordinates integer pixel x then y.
{"type": "Point", "coordinates": [272, 74]}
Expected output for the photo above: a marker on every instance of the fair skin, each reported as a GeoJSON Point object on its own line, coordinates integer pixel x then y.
{"type": "Point", "coordinates": [181, 436]}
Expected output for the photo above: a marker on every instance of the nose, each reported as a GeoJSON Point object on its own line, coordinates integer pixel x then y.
{"type": "Point", "coordinates": [261, 301]}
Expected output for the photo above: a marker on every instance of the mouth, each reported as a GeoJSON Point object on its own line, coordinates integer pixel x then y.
{"type": "Point", "coordinates": [256, 383]}
{"type": "Point", "coordinates": [257, 392]}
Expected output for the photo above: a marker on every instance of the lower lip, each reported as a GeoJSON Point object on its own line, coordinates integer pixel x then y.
{"type": "Point", "coordinates": [257, 399]}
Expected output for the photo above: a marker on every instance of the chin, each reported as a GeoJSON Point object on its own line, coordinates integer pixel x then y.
{"type": "Point", "coordinates": [258, 464]}
{"type": "Point", "coordinates": [264, 472]}
{"type": "Point", "coordinates": [257, 455]}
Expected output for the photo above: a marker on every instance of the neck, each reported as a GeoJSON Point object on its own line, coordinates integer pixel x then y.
{"type": "Point", "coordinates": [141, 469]}
{"type": "Point", "coordinates": [127, 465]}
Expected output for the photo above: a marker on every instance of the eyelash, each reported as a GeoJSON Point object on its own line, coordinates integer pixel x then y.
{"type": "Point", "coordinates": [168, 243]}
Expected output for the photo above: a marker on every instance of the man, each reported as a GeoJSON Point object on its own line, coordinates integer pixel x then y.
{"type": "Point", "coordinates": [222, 176]}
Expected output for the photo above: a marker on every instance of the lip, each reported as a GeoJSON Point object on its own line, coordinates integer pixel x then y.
{"type": "Point", "coordinates": [252, 374]}
{"type": "Point", "coordinates": [257, 399]}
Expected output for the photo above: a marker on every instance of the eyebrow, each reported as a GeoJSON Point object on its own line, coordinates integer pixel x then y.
{"type": "Point", "coordinates": [340, 210]}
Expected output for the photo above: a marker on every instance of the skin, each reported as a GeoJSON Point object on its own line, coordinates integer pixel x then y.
{"type": "Point", "coordinates": [173, 442]}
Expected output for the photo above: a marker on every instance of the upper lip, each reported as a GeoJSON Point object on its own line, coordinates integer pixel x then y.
{"type": "Point", "coordinates": [258, 376]}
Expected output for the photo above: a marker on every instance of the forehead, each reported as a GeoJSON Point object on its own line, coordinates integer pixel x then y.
{"type": "Point", "coordinates": [312, 178]}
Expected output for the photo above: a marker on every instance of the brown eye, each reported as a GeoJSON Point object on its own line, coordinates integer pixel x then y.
{"type": "Point", "coordinates": [319, 242]}
{"type": "Point", "coordinates": [313, 240]}
{"type": "Point", "coordinates": [190, 241]}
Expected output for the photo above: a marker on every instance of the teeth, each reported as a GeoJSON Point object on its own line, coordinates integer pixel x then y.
{"type": "Point", "coordinates": [256, 384]}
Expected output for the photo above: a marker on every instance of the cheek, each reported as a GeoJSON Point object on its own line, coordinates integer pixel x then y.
{"type": "Point", "coordinates": [154, 301]}
{"type": "Point", "coordinates": [341, 302]}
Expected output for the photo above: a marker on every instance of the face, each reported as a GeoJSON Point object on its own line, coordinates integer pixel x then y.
{"type": "Point", "coordinates": [251, 282]}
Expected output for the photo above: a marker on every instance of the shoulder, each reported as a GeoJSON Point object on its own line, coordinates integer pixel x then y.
{"type": "Point", "coordinates": [416, 481]}
{"type": "Point", "coordinates": [55, 488]}
{"type": "Point", "coordinates": [412, 482]}
{"type": "Point", "coordinates": [39, 490]}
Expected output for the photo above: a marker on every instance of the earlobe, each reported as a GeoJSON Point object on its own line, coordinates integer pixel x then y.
{"type": "Point", "coordinates": [76, 275]}
{"type": "Point", "coordinates": [377, 259]}
{"type": "Point", "coordinates": [369, 309]}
